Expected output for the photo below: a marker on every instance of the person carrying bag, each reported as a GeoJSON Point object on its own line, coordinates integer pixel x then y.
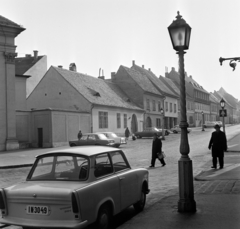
{"type": "Point", "coordinates": [157, 149]}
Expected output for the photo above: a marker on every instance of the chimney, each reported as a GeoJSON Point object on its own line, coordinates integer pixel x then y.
{"type": "Point", "coordinates": [142, 66]}
{"type": "Point", "coordinates": [28, 55]}
{"type": "Point", "coordinates": [60, 66]}
{"type": "Point", "coordinates": [133, 62]}
{"type": "Point", "coordinates": [149, 69]}
{"type": "Point", "coordinates": [173, 69]}
{"type": "Point", "coordinates": [101, 77]}
{"type": "Point", "coordinates": [35, 52]}
{"type": "Point", "coordinates": [73, 67]}
{"type": "Point", "coordinates": [190, 77]}
{"type": "Point", "coordinates": [113, 74]}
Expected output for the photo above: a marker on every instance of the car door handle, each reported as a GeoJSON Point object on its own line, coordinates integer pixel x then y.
{"type": "Point", "coordinates": [121, 178]}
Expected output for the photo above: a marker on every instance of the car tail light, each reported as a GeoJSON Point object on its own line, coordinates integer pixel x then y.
{"type": "Point", "coordinates": [74, 204]}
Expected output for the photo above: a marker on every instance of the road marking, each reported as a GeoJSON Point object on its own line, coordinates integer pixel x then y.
{"type": "Point", "coordinates": [224, 170]}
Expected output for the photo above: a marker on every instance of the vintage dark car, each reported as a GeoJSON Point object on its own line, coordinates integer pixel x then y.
{"type": "Point", "coordinates": [150, 131]}
{"type": "Point", "coordinates": [93, 139]}
{"type": "Point", "coordinates": [73, 188]}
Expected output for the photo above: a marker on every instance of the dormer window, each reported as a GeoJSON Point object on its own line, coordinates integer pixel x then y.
{"type": "Point", "coordinates": [94, 93]}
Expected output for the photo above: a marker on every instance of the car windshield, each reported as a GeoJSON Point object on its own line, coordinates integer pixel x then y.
{"type": "Point", "coordinates": [113, 135]}
{"type": "Point", "coordinates": [60, 167]}
{"type": "Point", "coordinates": [102, 136]}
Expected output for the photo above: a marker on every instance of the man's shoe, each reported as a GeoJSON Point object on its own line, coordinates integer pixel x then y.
{"type": "Point", "coordinates": [220, 167]}
{"type": "Point", "coordinates": [151, 166]}
{"type": "Point", "coordinates": [213, 167]}
{"type": "Point", "coordinates": [163, 164]}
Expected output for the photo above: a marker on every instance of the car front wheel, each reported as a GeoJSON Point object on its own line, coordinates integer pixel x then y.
{"type": "Point", "coordinates": [73, 144]}
{"type": "Point", "coordinates": [104, 217]}
{"type": "Point", "coordinates": [139, 206]}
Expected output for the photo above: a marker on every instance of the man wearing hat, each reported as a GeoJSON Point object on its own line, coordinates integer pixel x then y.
{"type": "Point", "coordinates": [156, 148]}
{"type": "Point", "coordinates": [218, 143]}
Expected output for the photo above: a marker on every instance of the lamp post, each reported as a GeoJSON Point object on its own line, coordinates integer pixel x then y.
{"type": "Point", "coordinates": [222, 104]}
{"type": "Point", "coordinates": [203, 121]}
{"type": "Point", "coordinates": [180, 32]}
{"type": "Point", "coordinates": [163, 131]}
{"type": "Point", "coordinates": [232, 64]}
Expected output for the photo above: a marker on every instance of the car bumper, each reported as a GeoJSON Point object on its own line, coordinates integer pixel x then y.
{"type": "Point", "coordinates": [44, 223]}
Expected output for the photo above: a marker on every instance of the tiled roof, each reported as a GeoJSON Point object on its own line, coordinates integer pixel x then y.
{"type": "Point", "coordinates": [97, 91]}
{"type": "Point", "coordinates": [7, 22]}
{"type": "Point", "coordinates": [219, 97]}
{"type": "Point", "coordinates": [213, 98]}
{"type": "Point", "coordinates": [23, 64]}
{"type": "Point", "coordinates": [229, 98]}
{"type": "Point", "coordinates": [155, 80]}
{"type": "Point", "coordinates": [195, 84]}
{"type": "Point", "coordinates": [141, 80]}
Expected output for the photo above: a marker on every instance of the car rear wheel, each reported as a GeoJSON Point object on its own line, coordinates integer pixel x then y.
{"type": "Point", "coordinates": [73, 144]}
{"type": "Point", "coordinates": [138, 136]}
{"type": "Point", "coordinates": [139, 206]}
{"type": "Point", "coordinates": [104, 217]}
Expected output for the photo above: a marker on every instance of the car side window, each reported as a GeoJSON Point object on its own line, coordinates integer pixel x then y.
{"type": "Point", "coordinates": [84, 137]}
{"type": "Point", "coordinates": [91, 137]}
{"type": "Point", "coordinates": [103, 165]}
{"type": "Point", "coordinates": [118, 161]}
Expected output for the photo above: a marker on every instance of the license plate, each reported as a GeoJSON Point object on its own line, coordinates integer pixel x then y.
{"type": "Point", "coordinates": [37, 210]}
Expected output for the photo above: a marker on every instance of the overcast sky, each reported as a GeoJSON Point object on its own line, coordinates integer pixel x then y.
{"type": "Point", "coordinates": [105, 34]}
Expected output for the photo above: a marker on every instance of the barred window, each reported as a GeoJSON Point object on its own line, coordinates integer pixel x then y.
{"type": "Point", "coordinates": [118, 120]}
{"type": "Point", "coordinates": [103, 119]}
{"type": "Point", "coordinates": [125, 120]}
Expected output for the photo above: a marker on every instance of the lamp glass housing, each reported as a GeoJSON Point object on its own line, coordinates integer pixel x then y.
{"type": "Point", "coordinates": [222, 103]}
{"type": "Point", "coordinates": [180, 33]}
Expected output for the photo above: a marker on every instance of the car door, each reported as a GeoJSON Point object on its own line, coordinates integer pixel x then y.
{"type": "Point", "coordinates": [91, 139]}
{"type": "Point", "coordinates": [127, 178]}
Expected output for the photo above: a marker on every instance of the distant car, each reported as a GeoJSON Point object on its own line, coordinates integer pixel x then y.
{"type": "Point", "coordinates": [176, 129]}
{"type": "Point", "coordinates": [73, 188]}
{"type": "Point", "coordinates": [93, 139]}
{"type": "Point", "coordinates": [209, 124]}
{"type": "Point", "coordinates": [149, 132]}
{"type": "Point", "coordinates": [118, 140]}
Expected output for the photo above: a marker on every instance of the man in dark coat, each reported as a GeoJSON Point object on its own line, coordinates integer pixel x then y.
{"type": "Point", "coordinates": [127, 133]}
{"type": "Point", "coordinates": [156, 148]}
{"type": "Point", "coordinates": [218, 143]}
{"type": "Point", "coordinates": [79, 134]}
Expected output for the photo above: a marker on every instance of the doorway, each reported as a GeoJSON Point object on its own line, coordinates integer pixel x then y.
{"type": "Point", "coordinates": [40, 137]}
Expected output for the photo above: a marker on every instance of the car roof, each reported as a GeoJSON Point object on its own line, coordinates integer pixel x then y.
{"type": "Point", "coordinates": [82, 150]}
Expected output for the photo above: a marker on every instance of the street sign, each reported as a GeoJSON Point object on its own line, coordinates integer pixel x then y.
{"type": "Point", "coordinates": [223, 113]}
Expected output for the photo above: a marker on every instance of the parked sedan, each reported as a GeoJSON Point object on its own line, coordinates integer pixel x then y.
{"type": "Point", "coordinates": [73, 188]}
{"type": "Point", "coordinates": [149, 132]}
{"type": "Point", "coordinates": [176, 129]}
{"type": "Point", "coordinates": [93, 139]}
{"type": "Point", "coordinates": [118, 140]}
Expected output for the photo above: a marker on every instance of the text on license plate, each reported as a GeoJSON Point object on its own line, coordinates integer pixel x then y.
{"type": "Point", "coordinates": [38, 210]}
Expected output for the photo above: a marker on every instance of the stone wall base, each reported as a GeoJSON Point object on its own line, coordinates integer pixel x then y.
{"type": "Point", "coordinates": [12, 144]}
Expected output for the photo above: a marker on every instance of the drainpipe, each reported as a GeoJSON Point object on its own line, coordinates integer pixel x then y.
{"type": "Point", "coordinates": [92, 118]}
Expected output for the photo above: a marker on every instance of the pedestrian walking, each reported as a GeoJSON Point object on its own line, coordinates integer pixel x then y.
{"type": "Point", "coordinates": [156, 149]}
{"type": "Point", "coordinates": [127, 133]}
{"type": "Point", "coordinates": [218, 144]}
{"type": "Point", "coordinates": [79, 134]}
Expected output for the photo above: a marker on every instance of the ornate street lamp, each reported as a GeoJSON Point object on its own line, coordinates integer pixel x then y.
{"type": "Point", "coordinates": [232, 62]}
{"type": "Point", "coordinates": [180, 33]}
{"type": "Point", "coordinates": [203, 121]}
{"type": "Point", "coordinates": [222, 104]}
{"type": "Point", "coordinates": [163, 131]}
